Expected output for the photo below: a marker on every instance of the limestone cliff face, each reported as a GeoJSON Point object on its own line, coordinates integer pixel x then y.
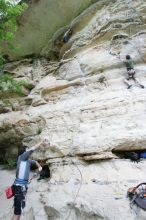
{"type": "Point", "coordinates": [42, 20]}
{"type": "Point", "coordinates": [82, 104]}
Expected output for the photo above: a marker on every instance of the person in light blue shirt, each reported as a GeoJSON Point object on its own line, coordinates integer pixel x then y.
{"type": "Point", "coordinates": [20, 184]}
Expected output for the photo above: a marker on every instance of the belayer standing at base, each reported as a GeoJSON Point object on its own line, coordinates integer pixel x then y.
{"type": "Point", "coordinates": [131, 72]}
{"type": "Point", "coordinates": [20, 184]}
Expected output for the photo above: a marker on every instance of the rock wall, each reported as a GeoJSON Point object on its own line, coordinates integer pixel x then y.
{"type": "Point", "coordinates": [84, 108]}
{"type": "Point", "coordinates": [41, 20]}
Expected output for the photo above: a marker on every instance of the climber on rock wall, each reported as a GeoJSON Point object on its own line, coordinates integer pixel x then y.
{"type": "Point", "coordinates": [129, 64]}
{"type": "Point", "coordinates": [67, 36]}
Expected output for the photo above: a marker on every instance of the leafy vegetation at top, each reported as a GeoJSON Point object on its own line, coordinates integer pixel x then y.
{"type": "Point", "coordinates": [9, 164]}
{"type": "Point", "coordinates": [9, 11]}
{"type": "Point", "coordinates": [10, 85]}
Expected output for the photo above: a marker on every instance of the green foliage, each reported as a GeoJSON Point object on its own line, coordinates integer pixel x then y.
{"type": "Point", "coordinates": [7, 102]}
{"type": "Point", "coordinates": [9, 11]}
{"type": "Point", "coordinates": [9, 84]}
{"type": "Point", "coordinates": [39, 130]}
{"type": "Point", "coordinates": [10, 163]}
{"type": "Point", "coordinates": [24, 83]}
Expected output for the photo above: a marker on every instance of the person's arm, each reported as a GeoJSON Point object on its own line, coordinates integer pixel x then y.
{"type": "Point", "coordinates": [35, 163]}
{"type": "Point", "coordinates": [45, 142]}
{"type": "Point", "coordinates": [120, 57]}
{"type": "Point", "coordinates": [26, 155]}
{"type": "Point", "coordinates": [34, 147]}
{"type": "Point", "coordinates": [39, 166]}
{"type": "Point", "coordinates": [30, 150]}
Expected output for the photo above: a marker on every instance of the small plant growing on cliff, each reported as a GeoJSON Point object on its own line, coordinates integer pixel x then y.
{"type": "Point", "coordinates": [10, 163]}
{"type": "Point", "coordinates": [9, 84]}
{"type": "Point", "coordinates": [39, 130]}
{"type": "Point", "coordinates": [24, 83]}
{"type": "Point", "coordinates": [9, 12]}
{"type": "Point", "coordinates": [7, 103]}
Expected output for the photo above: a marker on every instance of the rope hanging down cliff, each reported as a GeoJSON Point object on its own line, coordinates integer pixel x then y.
{"type": "Point", "coordinates": [76, 166]}
{"type": "Point", "coordinates": [136, 46]}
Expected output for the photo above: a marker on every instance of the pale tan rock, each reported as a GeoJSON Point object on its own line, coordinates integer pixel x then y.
{"type": "Point", "coordinates": [38, 100]}
{"type": "Point", "coordinates": [100, 156]}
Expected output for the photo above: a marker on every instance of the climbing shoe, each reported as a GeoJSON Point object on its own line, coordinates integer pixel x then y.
{"type": "Point", "coordinates": [40, 178]}
{"type": "Point", "coordinates": [129, 86]}
{"type": "Point", "coordinates": [142, 86]}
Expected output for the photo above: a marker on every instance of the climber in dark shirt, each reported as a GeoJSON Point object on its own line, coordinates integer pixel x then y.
{"type": "Point", "coordinates": [45, 173]}
{"type": "Point", "coordinates": [67, 36]}
{"type": "Point", "coordinates": [129, 64]}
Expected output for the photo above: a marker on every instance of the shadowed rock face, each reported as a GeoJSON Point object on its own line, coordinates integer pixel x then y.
{"type": "Point", "coordinates": [42, 19]}
{"type": "Point", "coordinates": [85, 109]}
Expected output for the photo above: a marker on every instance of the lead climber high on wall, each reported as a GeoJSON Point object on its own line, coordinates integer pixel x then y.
{"type": "Point", "coordinates": [67, 35]}
{"type": "Point", "coordinates": [129, 64]}
{"type": "Point", "coordinates": [20, 184]}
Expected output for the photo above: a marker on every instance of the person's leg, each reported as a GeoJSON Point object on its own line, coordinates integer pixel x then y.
{"type": "Point", "coordinates": [137, 82]}
{"type": "Point", "coordinates": [17, 208]}
{"type": "Point", "coordinates": [18, 199]}
{"type": "Point", "coordinates": [126, 81]}
{"type": "Point", "coordinates": [42, 175]}
{"type": "Point", "coordinates": [16, 217]}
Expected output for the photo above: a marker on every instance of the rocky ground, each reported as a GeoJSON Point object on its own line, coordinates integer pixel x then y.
{"type": "Point", "coordinates": [80, 191]}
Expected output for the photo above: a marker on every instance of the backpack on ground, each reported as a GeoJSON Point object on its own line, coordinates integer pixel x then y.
{"type": "Point", "coordinates": [137, 195]}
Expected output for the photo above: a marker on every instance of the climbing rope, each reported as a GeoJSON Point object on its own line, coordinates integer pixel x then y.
{"type": "Point", "coordinates": [129, 6]}
{"type": "Point", "coordinates": [81, 177]}
{"type": "Point", "coordinates": [135, 45]}
{"type": "Point", "coordinates": [81, 182]}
